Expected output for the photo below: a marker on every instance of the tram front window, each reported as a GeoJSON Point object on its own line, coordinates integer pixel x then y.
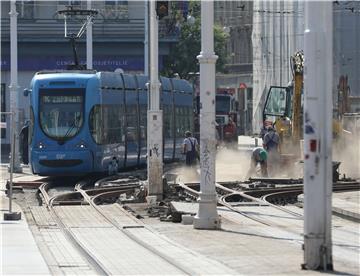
{"type": "Point", "coordinates": [61, 112]}
{"type": "Point", "coordinates": [222, 104]}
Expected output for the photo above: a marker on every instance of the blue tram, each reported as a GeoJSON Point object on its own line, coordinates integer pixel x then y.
{"type": "Point", "coordinates": [86, 121]}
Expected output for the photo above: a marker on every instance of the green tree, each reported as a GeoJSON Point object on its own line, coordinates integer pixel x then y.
{"type": "Point", "coordinates": [182, 57]}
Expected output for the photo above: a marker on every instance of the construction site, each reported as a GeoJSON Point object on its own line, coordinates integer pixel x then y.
{"type": "Point", "coordinates": [142, 171]}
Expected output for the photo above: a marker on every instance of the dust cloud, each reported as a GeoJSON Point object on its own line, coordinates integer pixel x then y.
{"type": "Point", "coordinates": [347, 151]}
{"type": "Point", "coordinates": [231, 165]}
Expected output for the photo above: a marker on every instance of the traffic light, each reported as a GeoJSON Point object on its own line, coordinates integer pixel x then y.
{"type": "Point", "coordinates": [162, 8]}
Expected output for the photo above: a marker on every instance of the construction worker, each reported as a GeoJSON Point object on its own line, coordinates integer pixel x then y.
{"type": "Point", "coordinates": [190, 149]}
{"type": "Point", "coordinates": [271, 143]}
{"type": "Point", "coordinates": [271, 140]}
{"type": "Point", "coordinates": [264, 128]}
{"type": "Point", "coordinates": [258, 156]}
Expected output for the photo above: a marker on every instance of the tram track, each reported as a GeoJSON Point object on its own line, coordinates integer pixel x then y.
{"type": "Point", "coordinates": [233, 198]}
{"type": "Point", "coordinates": [92, 197]}
{"type": "Point", "coordinates": [49, 202]}
{"type": "Point", "coordinates": [125, 230]}
{"type": "Point", "coordinates": [232, 195]}
{"type": "Point", "coordinates": [90, 194]}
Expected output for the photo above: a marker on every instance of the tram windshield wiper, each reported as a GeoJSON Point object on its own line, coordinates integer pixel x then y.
{"type": "Point", "coordinates": [68, 132]}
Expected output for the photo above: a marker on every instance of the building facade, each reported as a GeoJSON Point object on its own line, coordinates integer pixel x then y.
{"type": "Point", "coordinates": [278, 32]}
{"type": "Point", "coordinates": [236, 18]}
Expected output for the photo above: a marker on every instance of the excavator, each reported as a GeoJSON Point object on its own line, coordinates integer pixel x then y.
{"type": "Point", "coordinates": [284, 110]}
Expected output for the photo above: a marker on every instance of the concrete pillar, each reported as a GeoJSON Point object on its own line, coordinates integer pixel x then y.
{"type": "Point", "coordinates": [14, 96]}
{"type": "Point", "coordinates": [207, 216]}
{"type": "Point", "coordinates": [146, 39]}
{"type": "Point", "coordinates": [154, 130]}
{"type": "Point", "coordinates": [318, 135]}
{"type": "Point", "coordinates": [89, 41]}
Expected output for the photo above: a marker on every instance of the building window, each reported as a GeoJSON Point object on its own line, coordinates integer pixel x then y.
{"type": "Point", "coordinates": [3, 109]}
{"type": "Point", "coordinates": [25, 9]}
{"type": "Point", "coordinates": [69, 3]}
{"type": "Point", "coordinates": [116, 10]}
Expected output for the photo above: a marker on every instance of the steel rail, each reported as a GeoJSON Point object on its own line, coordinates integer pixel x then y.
{"type": "Point", "coordinates": [223, 202]}
{"type": "Point", "coordinates": [152, 249]}
{"type": "Point", "coordinates": [93, 262]}
{"type": "Point", "coordinates": [243, 194]}
{"type": "Point", "coordinates": [297, 189]}
{"type": "Point", "coordinates": [43, 190]}
{"type": "Point", "coordinates": [90, 200]}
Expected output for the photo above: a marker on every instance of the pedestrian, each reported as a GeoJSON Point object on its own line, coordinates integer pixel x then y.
{"type": "Point", "coordinates": [24, 142]}
{"type": "Point", "coordinates": [230, 131]}
{"type": "Point", "coordinates": [258, 156]}
{"type": "Point", "coordinates": [190, 148]}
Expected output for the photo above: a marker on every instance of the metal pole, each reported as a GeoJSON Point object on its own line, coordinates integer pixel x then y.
{"type": "Point", "coordinates": [12, 159]}
{"type": "Point", "coordinates": [207, 216]}
{"type": "Point", "coordinates": [14, 105]}
{"type": "Point", "coordinates": [318, 135]}
{"type": "Point", "coordinates": [155, 124]}
{"type": "Point", "coordinates": [146, 39]}
{"type": "Point", "coordinates": [89, 41]}
{"type": "Point", "coordinates": [11, 215]}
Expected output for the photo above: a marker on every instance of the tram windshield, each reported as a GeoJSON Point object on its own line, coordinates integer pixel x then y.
{"type": "Point", "coordinates": [222, 104]}
{"type": "Point", "coordinates": [61, 112]}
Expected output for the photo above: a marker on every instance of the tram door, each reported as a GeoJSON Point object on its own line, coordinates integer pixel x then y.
{"type": "Point", "coordinates": [143, 102]}
{"type": "Point", "coordinates": [168, 122]}
{"type": "Point", "coordinates": [131, 110]}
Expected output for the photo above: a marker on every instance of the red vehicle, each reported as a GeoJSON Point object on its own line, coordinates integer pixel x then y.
{"type": "Point", "coordinates": [226, 114]}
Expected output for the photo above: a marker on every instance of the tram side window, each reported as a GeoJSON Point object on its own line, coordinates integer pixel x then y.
{"type": "Point", "coordinates": [131, 117]}
{"type": "Point", "coordinates": [113, 124]}
{"type": "Point", "coordinates": [106, 124]}
{"type": "Point", "coordinates": [95, 122]}
{"type": "Point", "coordinates": [181, 121]}
{"type": "Point", "coordinates": [188, 117]}
{"type": "Point", "coordinates": [167, 122]}
{"type": "Point", "coordinates": [143, 121]}
{"type": "Point", "coordinates": [177, 122]}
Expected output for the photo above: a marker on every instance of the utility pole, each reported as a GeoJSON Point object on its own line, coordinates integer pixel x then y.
{"type": "Point", "coordinates": [207, 216]}
{"type": "Point", "coordinates": [89, 41]}
{"type": "Point", "coordinates": [146, 39]}
{"type": "Point", "coordinates": [318, 135]}
{"type": "Point", "coordinates": [154, 116]}
{"type": "Point", "coordinates": [14, 97]}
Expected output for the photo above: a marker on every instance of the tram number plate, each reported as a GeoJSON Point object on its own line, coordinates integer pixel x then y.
{"type": "Point", "coordinates": [60, 156]}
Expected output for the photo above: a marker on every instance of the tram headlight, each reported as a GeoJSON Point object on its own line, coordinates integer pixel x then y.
{"type": "Point", "coordinates": [81, 145]}
{"type": "Point", "coordinates": [41, 145]}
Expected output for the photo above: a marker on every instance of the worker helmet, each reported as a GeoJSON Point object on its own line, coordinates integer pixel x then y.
{"type": "Point", "coordinates": [263, 155]}
{"type": "Point", "coordinates": [188, 133]}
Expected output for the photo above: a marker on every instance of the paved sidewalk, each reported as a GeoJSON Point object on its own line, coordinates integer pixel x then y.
{"type": "Point", "coordinates": [20, 254]}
